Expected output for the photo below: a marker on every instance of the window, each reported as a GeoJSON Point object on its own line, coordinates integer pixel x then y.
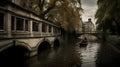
{"type": "Point", "coordinates": [26, 25]}
{"type": "Point", "coordinates": [35, 26]}
{"type": "Point", "coordinates": [50, 29]}
{"type": "Point", "coordinates": [55, 30]}
{"type": "Point", "coordinates": [2, 4]}
{"type": "Point", "coordinates": [44, 27]}
{"type": "Point", "coordinates": [1, 21]}
{"type": "Point", "coordinates": [13, 22]}
{"type": "Point", "coordinates": [19, 24]}
{"type": "Point", "coordinates": [59, 31]}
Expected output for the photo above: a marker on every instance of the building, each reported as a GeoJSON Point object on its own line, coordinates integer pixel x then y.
{"type": "Point", "coordinates": [88, 27]}
{"type": "Point", "coordinates": [22, 28]}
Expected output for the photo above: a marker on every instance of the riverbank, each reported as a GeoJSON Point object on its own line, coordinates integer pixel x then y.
{"type": "Point", "coordinates": [114, 42]}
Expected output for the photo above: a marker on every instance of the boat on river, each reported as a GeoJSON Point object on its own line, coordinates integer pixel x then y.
{"type": "Point", "coordinates": [84, 42]}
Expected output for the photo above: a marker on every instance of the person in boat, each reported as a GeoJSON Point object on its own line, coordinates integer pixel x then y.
{"type": "Point", "coordinates": [84, 41]}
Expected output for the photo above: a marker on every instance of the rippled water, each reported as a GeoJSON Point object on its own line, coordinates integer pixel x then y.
{"type": "Point", "coordinates": [89, 55]}
{"type": "Point", "coordinates": [70, 55]}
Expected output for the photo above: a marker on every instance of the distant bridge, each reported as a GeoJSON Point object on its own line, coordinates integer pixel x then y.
{"type": "Point", "coordinates": [97, 34]}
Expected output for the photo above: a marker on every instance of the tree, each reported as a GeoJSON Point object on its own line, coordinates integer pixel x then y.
{"type": "Point", "coordinates": [107, 15]}
{"type": "Point", "coordinates": [63, 12]}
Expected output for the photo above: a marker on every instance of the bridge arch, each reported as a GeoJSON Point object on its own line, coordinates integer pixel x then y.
{"type": "Point", "coordinates": [43, 45]}
{"type": "Point", "coordinates": [23, 44]}
{"type": "Point", "coordinates": [15, 53]}
{"type": "Point", "coordinates": [56, 43]}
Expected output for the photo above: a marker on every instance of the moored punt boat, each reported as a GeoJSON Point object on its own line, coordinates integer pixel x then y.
{"type": "Point", "coordinates": [84, 42]}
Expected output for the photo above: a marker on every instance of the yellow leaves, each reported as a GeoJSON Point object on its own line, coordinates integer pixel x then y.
{"type": "Point", "coordinates": [64, 25]}
{"type": "Point", "coordinates": [36, 9]}
{"type": "Point", "coordinates": [79, 24]}
{"type": "Point", "coordinates": [64, 12]}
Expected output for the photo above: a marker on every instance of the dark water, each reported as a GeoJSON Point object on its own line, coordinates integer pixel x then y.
{"type": "Point", "coordinates": [107, 56]}
{"type": "Point", "coordinates": [71, 55]}
{"type": "Point", "coordinates": [64, 56]}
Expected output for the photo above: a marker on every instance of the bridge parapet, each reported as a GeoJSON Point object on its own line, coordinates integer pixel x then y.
{"type": "Point", "coordinates": [97, 34]}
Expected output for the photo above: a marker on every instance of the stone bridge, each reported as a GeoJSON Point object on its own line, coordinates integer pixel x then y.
{"type": "Point", "coordinates": [96, 34]}
{"type": "Point", "coordinates": [23, 30]}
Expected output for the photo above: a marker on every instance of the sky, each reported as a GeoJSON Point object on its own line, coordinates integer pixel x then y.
{"type": "Point", "coordinates": [90, 8]}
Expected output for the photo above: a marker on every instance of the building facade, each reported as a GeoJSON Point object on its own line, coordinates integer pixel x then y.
{"type": "Point", "coordinates": [88, 27]}
{"type": "Point", "coordinates": [21, 27]}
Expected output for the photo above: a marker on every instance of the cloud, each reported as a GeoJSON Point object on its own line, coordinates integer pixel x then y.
{"type": "Point", "coordinates": [90, 8]}
{"type": "Point", "coordinates": [89, 2]}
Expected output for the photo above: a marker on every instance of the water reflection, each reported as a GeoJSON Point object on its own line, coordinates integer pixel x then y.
{"type": "Point", "coordinates": [107, 57]}
{"type": "Point", "coordinates": [64, 56]}
{"type": "Point", "coordinates": [69, 54]}
{"type": "Point", "coordinates": [13, 57]}
{"type": "Point", "coordinates": [89, 54]}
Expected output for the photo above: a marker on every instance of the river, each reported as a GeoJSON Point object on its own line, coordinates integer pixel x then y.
{"type": "Point", "coordinates": [70, 54]}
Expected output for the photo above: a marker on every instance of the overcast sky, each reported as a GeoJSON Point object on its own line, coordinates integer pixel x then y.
{"type": "Point", "coordinates": [90, 8]}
